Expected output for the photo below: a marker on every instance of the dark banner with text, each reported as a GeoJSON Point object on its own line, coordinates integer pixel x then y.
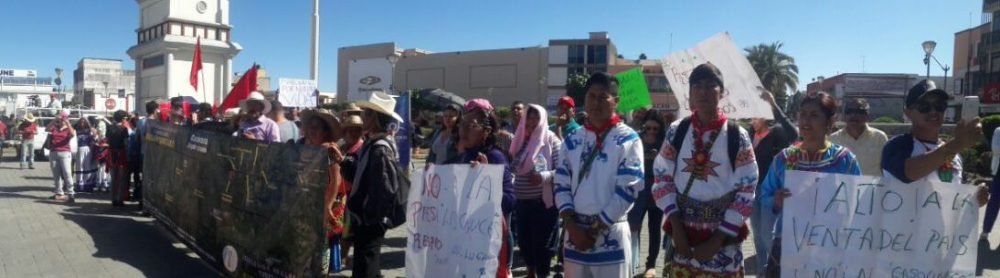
{"type": "Point", "coordinates": [250, 208]}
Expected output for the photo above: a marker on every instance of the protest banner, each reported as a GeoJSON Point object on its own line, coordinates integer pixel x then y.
{"type": "Point", "coordinates": [297, 92]}
{"type": "Point", "coordinates": [249, 208]}
{"type": "Point", "coordinates": [741, 98]}
{"type": "Point", "coordinates": [403, 130]}
{"type": "Point", "coordinates": [633, 92]}
{"type": "Point", "coordinates": [453, 221]}
{"type": "Point", "coordinates": [857, 226]}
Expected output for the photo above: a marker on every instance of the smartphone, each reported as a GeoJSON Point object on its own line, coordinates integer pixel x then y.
{"type": "Point", "coordinates": [970, 108]}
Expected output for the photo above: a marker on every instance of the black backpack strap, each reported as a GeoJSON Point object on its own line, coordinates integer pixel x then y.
{"type": "Point", "coordinates": [733, 142]}
{"type": "Point", "coordinates": [682, 128]}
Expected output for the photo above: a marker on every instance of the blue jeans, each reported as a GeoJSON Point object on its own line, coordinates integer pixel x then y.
{"type": "Point", "coordinates": [645, 205]}
{"type": "Point", "coordinates": [762, 223]}
{"type": "Point", "coordinates": [27, 153]}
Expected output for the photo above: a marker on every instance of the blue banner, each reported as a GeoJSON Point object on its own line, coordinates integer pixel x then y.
{"type": "Point", "coordinates": [404, 130]}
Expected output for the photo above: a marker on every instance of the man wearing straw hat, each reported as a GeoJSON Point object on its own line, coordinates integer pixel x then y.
{"type": "Point", "coordinates": [376, 177]}
{"type": "Point", "coordinates": [28, 129]}
{"type": "Point", "coordinates": [254, 125]}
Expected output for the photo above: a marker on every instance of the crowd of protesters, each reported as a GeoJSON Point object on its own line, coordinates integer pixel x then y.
{"type": "Point", "coordinates": [576, 190]}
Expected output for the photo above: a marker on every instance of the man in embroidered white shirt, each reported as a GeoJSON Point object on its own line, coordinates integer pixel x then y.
{"type": "Point", "coordinates": [598, 176]}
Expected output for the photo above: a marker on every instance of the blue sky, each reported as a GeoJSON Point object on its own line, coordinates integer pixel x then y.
{"type": "Point", "coordinates": [825, 37]}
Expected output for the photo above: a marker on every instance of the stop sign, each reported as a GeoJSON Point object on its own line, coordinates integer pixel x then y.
{"type": "Point", "coordinates": [109, 104]}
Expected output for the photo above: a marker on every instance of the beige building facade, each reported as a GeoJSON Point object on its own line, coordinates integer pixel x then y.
{"type": "Point", "coordinates": [530, 74]}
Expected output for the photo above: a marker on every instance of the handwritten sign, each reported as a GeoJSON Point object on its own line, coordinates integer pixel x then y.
{"type": "Point", "coordinates": [297, 92]}
{"type": "Point", "coordinates": [453, 221]}
{"type": "Point", "coordinates": [741, 98]}
{"type": "Point", "coordinates": [633, 91]}
{"type": "Point", "coordinates": [855, 226]}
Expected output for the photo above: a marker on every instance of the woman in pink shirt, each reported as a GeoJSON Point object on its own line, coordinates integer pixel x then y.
{"type": "Point", "coordinates": [61, 156]}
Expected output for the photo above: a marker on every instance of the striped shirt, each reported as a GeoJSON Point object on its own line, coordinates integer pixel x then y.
{"type": "Point", "coordinates": [523, 189]}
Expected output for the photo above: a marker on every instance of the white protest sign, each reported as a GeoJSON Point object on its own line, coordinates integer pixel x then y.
{"type": "Point", "coordinates": [858, 226]}
{"type": "Point", "coordinates": [453, 221]}
{"type": "Point", "coordinates": [740, 100]}
{"type": "Point", "coordinates": [297, 92]}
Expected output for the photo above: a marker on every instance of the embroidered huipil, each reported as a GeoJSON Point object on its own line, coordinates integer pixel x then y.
{"type": "Point", "coordinates": [718, 198]}
{"type": "Point", "coordinates": [605, 193]}
{"type": "Point", "coordinates": [834, 159]}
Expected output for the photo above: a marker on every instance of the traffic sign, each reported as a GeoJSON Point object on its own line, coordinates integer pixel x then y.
{"type": "Point", "coordinates": [110, 104]}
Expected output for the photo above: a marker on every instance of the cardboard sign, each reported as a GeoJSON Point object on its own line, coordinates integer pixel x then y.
{"type": "Point", "coordinates": [453, 221]}
{"type": "Point", "coordinates": [741, 98]}
{"type": "Point", "coordinates": [857, 226]}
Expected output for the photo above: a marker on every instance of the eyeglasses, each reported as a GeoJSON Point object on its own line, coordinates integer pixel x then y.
{"type": "Point", "coordinates": [924, 107]}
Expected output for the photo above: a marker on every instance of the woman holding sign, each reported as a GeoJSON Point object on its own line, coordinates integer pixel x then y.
{"type": "Point", "coordinates": [534, 152]}
{"type": "Point", "coordinates": [478, 135]}
{"type": "Point", "coordinates": [322, 129]}
{"type": "Point", "coordinates": [814, 153]}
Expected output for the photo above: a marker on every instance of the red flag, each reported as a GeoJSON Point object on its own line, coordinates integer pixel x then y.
{"type": "Point", "coordinates": [242, 89]}
{"type": "Point", "coordinates": [196, 65]}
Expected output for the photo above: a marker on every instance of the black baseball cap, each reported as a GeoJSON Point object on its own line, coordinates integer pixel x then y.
{"type": "Point", "coordinates": [922, 88]}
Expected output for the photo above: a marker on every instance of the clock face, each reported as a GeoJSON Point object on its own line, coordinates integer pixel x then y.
{"type": "Point", "coordinates": [202, 6]}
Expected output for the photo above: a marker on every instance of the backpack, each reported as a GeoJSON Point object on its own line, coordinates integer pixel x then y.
{"type": "Point", "coordinates": [385, 203]}
{"type": "Point", "coordinates": [732, 139]}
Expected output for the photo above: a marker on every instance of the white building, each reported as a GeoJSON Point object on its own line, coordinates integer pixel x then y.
{"type": "Point", "coordinates": [165, 44]}
{"type": "Point", "coordinates": [24, 88]}
{"type": "Point", "coordinates": [103, 85]}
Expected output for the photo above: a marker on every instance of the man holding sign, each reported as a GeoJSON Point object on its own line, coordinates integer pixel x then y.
{"type": "Point", "coordinates": [598, 177]}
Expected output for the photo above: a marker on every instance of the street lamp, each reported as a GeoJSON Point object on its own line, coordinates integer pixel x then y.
{"type": "Point", "coordinates": [392, 61]}
{"type": "Point", "coordinates": [929, 50]}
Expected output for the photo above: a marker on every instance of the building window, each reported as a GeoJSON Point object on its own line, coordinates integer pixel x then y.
{"type": "Point", "coordinates": [597, 54]}
{"type": "Point", "coordinates": [575, 54]}
{"type": "Point", "coordinates": [602, 54]}
{"type": "Point", "coordinates": [657, 83]}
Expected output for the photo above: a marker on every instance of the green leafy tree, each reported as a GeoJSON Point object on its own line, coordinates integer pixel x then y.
{"type": "Point", "coordinates": [777, 71]}
{"type": "Point", "coordinates": [576, 89]}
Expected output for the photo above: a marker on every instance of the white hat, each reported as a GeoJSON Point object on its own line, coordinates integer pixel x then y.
{"type": "Point", "coordinates": [256, 96]}
{"type": "Point", "coordinates": [382, 103]}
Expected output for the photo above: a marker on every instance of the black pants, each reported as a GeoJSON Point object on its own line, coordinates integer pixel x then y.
{"type": "Point", "coordinates": [367, 250]}
{"type": "Point", "coordinates": [536, 226]}
{"type": "Point", "coordinates": [135, 173]}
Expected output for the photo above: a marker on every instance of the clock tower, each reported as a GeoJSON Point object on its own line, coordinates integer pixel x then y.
{"type": "Point", "coordinates": [164, 49]}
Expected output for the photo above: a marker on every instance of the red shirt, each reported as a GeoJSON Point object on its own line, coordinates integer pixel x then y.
{"type": "Point", "coordinates": [60, 139]}
{"type": "Point", "coordinates": [3, 130]}
{"type": "Point", "coordinates": [28, 130]}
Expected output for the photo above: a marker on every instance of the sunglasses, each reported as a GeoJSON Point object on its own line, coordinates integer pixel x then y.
{"type": "Point", "coordinates": [924, 107]}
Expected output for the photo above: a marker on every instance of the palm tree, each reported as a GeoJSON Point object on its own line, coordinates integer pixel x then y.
{"type": "Point", "coordinates": [777, 70]}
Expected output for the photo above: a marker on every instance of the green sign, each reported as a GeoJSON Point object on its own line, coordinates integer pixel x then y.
{"type": "Point", "coordinates": [633, 92]}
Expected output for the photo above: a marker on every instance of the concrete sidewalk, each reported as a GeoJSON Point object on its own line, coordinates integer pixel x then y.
{"type": "Point", "coordinates": [40, 237]}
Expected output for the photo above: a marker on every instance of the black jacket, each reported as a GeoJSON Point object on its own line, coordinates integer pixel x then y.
{"type": "Point", "coordinates": [779, 137]}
